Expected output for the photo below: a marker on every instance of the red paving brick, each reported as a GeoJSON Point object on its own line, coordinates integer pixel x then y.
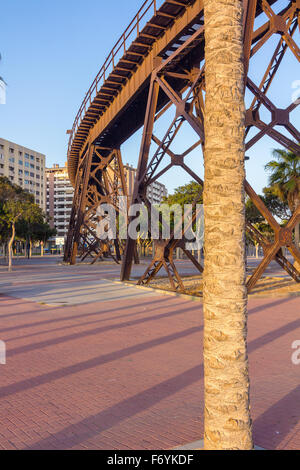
{"type": "Point", "coordinates": [107, 375]}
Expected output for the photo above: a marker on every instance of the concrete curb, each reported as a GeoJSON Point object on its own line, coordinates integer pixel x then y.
{"type": "Point", "coordinates": [195, 298]}
{"type": "Point", "coordinates": [158, 291]}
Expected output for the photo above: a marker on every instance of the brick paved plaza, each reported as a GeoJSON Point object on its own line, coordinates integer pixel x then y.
{"type": "Point", "coordinates": [92, 364]}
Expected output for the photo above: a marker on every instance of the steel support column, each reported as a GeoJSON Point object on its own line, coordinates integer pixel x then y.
{"type": "Point", "coordinates": [100, 180]}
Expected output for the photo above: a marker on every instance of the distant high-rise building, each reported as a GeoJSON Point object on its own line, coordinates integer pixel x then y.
{"type": "Point", "coordinates": [155, 192]}
{"type": "Point", "coordinates": [24, 167]}
{"type": "Point", "coordinates": [59, 198]}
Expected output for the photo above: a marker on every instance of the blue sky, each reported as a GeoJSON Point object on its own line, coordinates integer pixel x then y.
{"type": "Point", "coordinates": [51, 52]}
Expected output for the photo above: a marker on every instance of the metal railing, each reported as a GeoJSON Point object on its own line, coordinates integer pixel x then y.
{"type": "Point", "coordinates": [145, 13]}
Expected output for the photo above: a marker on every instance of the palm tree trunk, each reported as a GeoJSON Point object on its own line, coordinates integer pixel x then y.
{"type": "Point", "coordinates": [10, 244]}
{"type": "Point", "coordinates": [227, 415]}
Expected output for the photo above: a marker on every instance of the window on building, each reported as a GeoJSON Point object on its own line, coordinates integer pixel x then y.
{"type": "Point", "coordinates": [20, 162]}
{"type": "Point", "coordinates": [11, 150]}
{"type": "Point", "coordinates": [26, 155]}
{"type": "Point", "coordinates": [31, 157]}
{"type": "Point", "coordinates": [31, 165]}
{"type": "Point", "coordinates": [32, 175]}
{"type": "Point", "coordinates": [27, 164]}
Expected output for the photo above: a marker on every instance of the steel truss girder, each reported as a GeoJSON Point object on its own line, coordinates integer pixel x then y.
{"type": "Point", "coordinates": [100, 180]}
{"type": "Point", "coordinates": [273, 249]}
{"type": "Point", "coordinates": [146, 173]}
{"type": "Point", "coordinates": [285, 24]}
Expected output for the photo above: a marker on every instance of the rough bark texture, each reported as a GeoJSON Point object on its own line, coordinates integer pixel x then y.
{"type": "Point", "coordinates": [227, 415]}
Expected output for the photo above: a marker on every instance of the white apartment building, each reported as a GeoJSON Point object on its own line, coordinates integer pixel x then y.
{"type": "Point", "coordinates": [155, 192]}
{"type": "Point", "coordinates": [24, 167]}
{"type": "Point", "coordinates": [59, 199]}
{"type": "Point", "coordinates": [60, 194]}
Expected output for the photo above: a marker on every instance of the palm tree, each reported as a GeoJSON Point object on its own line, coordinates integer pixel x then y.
{"type": "Point", "coordinates": [227, 415]}
{"type": "Point", "coordinates": [284, 180]}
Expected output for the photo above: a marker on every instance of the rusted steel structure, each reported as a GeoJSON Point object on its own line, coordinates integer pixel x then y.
{"type": "Point", "coordinates": [100, 180]}
{"type": "Point", "coordinates": [164, 251]}
{"type": "Point", "coordinates": [157, 66]}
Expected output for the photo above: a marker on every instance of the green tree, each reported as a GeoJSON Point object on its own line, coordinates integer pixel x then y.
{"type": "Point", "coordinates": [41, 232]}
{"type": "Point", "coordinates": [27, 224]}
{"type": "Point", "coordinates": [33, 227]}
{"type": "Point", "coordinates": [284, 180]}
{"type": "Point", "coordinates": [20, 217]}
{"type": "Point", "coordinates": [184, 194]}
{"type": "Point", "coordinates": [12, 211]}
{"type": "Point", "coordinates": [14, 202]}
{"type": "Point", "coordinates": [6, 193]}
{"type": "Point", "coordinates": [252, 213]}
{"type": "Point", "coordinates": [9, 191]}
{"type": "Point", "coordinates": [278, 207]}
